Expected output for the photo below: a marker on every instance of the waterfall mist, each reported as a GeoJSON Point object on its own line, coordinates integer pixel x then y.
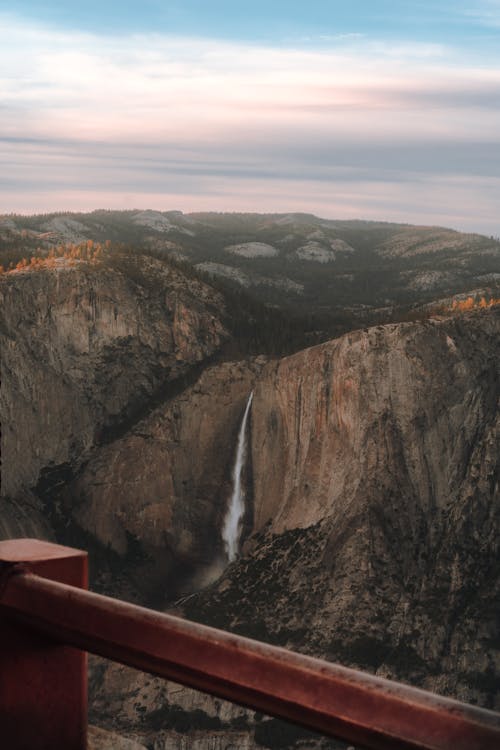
{"type": "Point", "coordinates": [231, 529]}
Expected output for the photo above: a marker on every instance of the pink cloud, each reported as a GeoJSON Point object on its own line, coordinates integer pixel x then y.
{"type": "Point", "coordinates": [162, 122]}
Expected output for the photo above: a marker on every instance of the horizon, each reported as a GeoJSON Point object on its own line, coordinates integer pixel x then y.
{"type": "Point", "coordinates": [139, 209]}
{"type": "Point", "coordinates": [373, 114]}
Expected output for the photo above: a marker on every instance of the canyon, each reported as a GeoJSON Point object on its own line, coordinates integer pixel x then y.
{"type": "Point", "coordinates": [369, 534]}
{"type": "Point", "coordinates": [375, 522]}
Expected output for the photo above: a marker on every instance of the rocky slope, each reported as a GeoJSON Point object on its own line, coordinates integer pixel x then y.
{"type": "Point", "coordinates": [85, 350]}
{"type": "Point", "coordinates": [379, 511]}
{"type": "Point", "coordinates": [337, 275]}
{"type": "Point", "coordinates": [375, 467]}
{"type": "Point", "coordinates": [397, 409]}
{"type": "Point", "coordinates": [165, 485]}
{"type": "Point", "coordinates": [371, 532]}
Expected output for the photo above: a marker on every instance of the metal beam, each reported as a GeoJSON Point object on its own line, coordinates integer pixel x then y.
{"type": "Point", "coordinates": [369, 711]}
{"type": "Point", "coordinates": [43, 683]}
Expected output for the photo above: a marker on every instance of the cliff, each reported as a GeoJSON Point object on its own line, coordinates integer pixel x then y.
{"type": "Point", "coordinates": [156, 497]}
{"type": "Point", "coordinates": [394, 417]}
{"type": "Point", "coordinates": [374, 478]}
{"type": "Point", "coordinates": [372, 524]}
{"type": "Point", "coordinates": [85, 350]}
{"type": "Point", "coordinates": [375, 481]}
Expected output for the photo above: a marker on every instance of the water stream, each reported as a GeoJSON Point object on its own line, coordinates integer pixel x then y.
{"type": "Point", "coordinates": [231, 529]}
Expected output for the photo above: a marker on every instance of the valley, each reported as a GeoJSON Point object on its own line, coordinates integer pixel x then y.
{"type": "Point", "coordinates": [327, 276]}
{"type": "Point", "coordinates": [367, 457]}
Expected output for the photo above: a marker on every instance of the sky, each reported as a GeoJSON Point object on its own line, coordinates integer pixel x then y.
{"type": "Point", "coordinates": [374, 110]}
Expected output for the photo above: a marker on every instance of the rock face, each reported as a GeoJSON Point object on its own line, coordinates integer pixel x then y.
{"type": "Point", "coordinates": [99, 739]}
{"type": "Point", "coordinates": [84, 348]}
{"type": "Point", "coordinates": [375, 464]}
{"type": "Point", "coordinates": [392, 416]}
{"type": "Point", "coordinates": [375, 467]}
{"type": "Point", "coordinates": [372, 524]}
{"type": "Point", "coordinates": [343, 274]}
{"type": "Point", "coordinates": [24, 518]}
{"type": "Point", "coordinates": [165, 484]}
{"type": "Point", "coordinates": [253, 250]}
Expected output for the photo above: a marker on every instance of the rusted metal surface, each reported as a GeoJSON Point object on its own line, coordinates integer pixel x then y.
{"type": "Point", "coordinates": [43, 683]}
{"type": "Point", "coordinates": [368, 711]}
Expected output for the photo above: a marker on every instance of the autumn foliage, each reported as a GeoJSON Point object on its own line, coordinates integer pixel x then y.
{"type": "Point", "coordinates": [88, 252]}
{"type": "Point", "coordinates": [473, 304]}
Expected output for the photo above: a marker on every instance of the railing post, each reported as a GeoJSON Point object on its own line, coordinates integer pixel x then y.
{"type": "Point", "coordinates": [43, 685]}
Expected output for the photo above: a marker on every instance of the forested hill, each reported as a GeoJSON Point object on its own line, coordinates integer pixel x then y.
{"type": "Point", "coordinates": [320, 278]}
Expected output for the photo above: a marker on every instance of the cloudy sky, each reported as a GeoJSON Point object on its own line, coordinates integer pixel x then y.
{"type": "Point", "coordinates": [360, 109]}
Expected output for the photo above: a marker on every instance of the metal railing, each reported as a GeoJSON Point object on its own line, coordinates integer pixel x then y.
{"type": "Point", "coordinates": [48, 620]}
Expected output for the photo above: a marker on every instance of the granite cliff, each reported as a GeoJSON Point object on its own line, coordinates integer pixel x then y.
{"type": "Point", "coordinates": [375, 482]}
{"type": "Point", "coordinates": [371, 531]}
{"type": "Point", "coordinates": [85, 350]}
{"type": "Point", "coordinates": [385, 415]}
{"type": "Point", "coordinates": [165, 484]}
{"type": "Point", "coordinates": [338, 275]}
{"type": "Point", "coordinates": [375, 465]}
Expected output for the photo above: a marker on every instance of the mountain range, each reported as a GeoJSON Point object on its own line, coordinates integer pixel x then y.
{"type": "Point", "coordinates": [130, 345]}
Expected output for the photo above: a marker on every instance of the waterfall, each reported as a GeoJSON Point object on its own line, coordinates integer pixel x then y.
{"type": "Point", "coordinates": [231, 529]}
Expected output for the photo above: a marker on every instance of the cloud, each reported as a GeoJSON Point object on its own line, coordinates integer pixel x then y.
{"type": "Point", "coordinates": [486, 13]}
{"type": "Point", "coordinates": [360, 128]}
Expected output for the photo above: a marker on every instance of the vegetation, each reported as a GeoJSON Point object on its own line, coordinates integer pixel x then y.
{"type": "Point", "coordinates": [361, 288]}
{"type": "Point", "coordinates": [275, 734]}
{"type": "Point", "coordinates": [472, 304]}
{"type": "Point", "coordinates": [89, 252]}
{"type": "Point", "coordinates": [259, 329]}
{"type": "Point", "coordinates": [390, 273]}
{"type": "Point", "coordinates": [255, 327]}
{"type": "Point", "coordinates": [175, 717]}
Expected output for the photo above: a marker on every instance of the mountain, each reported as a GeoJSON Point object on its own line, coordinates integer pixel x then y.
{"type": "Point", "coordinates": [329, 276]}
{"type": "Point", "coordinates": [374, 540]}
{"type": "Point", "coordinates": [371, 483]}
{"type": "Point", "coordinates": [85, 350]}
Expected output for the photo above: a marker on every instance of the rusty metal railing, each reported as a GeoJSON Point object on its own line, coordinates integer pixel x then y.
{"type": "Point", "coordinates": [48, 620]}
